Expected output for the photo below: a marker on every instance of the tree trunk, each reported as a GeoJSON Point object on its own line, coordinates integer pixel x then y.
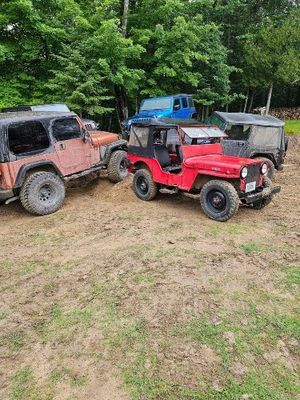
{"type": "Point", "coordinates": [227, 107]}
{"type": "Point", "coordinates": [122, 107]}
{"type": "Point", "coordinates": [269, 99]}
{"type": "Point", "coordinates": [246, 101]}
{"type": "Point", "coordinates": [251, 101]}
{"type": "Point", "coordinates": [125, 17]}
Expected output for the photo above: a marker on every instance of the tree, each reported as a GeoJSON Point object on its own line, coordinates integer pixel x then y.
{"type": "Point", "coordinates": [273, 54]}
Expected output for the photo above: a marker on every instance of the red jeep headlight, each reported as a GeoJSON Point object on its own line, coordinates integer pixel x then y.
{"type": "Point", "coordinates": [244, 172]}
{"type": "Point", "coordinates": [264, 169]}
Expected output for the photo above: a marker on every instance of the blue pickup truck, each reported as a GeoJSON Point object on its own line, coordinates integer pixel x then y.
{"type": "Point", "coordinates": [179, 106]}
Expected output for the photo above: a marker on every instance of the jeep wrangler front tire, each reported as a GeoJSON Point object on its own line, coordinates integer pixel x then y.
{"type": "Point", "coordinates": [117, 169]}
{"type": "Point", "coordinates": [144, 186]}
{"type": "Point", "coordinates": [42, 193]}
{"type": "Point", "coordinates": [219, 200]}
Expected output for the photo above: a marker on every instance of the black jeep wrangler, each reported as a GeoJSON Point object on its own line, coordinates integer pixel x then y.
{"type": "Point", "coordinates": [253, 136]}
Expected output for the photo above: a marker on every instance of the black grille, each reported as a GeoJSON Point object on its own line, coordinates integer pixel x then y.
{"type": "Point", "coordinates": [253, 173]}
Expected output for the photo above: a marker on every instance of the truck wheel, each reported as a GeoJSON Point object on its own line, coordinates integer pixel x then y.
{"type": "Point", "coordinates": [143, 185]}
{"type": "Point", "coordinates": [219, 200]}
{"type": "Point", "coordinates": [42, 193]}
{"type": "Point", "coordinates": [270, 164]}
{"type": "Point", "coordinates": [258, 205]}
{"type": "Point", "coordinates": [117, 166]}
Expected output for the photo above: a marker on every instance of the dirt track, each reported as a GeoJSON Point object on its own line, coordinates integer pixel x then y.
{"type": "Point", "coordinates": [114, 298]}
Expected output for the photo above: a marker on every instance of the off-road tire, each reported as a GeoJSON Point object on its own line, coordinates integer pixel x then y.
{"type": "Point", "coordinates": [144, 177]}
{"type": "Point", "coordinates": [42, 193]}
{"type": "Point", "coordinates": [258, 205]}
{"type": "Point", "coordinates": [272, 168]}
{"type": "Point", "coordinates": [117, 166]}
{"type": "Point", "coordinates": [229, 200]}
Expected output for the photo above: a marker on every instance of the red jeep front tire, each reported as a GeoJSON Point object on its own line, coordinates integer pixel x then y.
{"type": "Point", "coordinates": [144, 186]}
{"type": "Point", "coordinates": [219, 200]}
{"type": "Point", "coordinates": [42, 193]}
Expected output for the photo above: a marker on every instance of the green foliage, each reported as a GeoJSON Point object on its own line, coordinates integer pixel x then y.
{"type": "Point", "coordinates": [292, 127]}
{"type": "Point", "coordinates": [75, 51]}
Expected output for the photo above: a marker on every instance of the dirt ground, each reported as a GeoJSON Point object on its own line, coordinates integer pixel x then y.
{"type": "Point", "coordinates": [113, 298]}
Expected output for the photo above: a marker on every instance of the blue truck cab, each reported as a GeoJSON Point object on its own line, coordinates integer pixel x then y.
{"type": "Point", "coordinates": [179, 106]}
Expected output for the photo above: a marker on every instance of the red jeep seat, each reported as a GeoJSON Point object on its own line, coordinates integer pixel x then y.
{"type": "Point", "coordinates": [162, 155]}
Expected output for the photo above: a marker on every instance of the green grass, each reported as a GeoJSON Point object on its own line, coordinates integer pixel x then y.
{"type": "Point", "coordinates": [63, 324]}
{"type": "Point", "coordinates": [25, 387]}
{"type": "Point", "coordinates": [253, 247]}
{"type": "Point", "coordinates": [292, 275]}
{"type": "Point", "coordinates": [13, 340]}
{"type": "Point", "coordinates": [292, 127]}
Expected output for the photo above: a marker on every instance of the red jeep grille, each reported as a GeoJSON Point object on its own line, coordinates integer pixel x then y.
{"type": "Point", "coordinates": [253, 174]}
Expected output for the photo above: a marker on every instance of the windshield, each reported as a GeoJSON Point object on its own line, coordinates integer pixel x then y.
{"type": "Point", "coordinates": [202, 132]}
{"type": "Point", "coordinates": [156, 104]}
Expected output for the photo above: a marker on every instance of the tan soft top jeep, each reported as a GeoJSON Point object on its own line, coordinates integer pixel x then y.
{"type": "Point", "coordinates": [41, 151]}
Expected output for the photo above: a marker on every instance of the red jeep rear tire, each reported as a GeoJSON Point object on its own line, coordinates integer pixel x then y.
{"type": "Point", "coordinates": [219, 200]}
{"type": "Point", "coordinates": [144, 186]}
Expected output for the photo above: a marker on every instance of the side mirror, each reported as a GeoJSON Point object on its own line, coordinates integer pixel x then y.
{"type": "Point", "coordinates": [176, 107]}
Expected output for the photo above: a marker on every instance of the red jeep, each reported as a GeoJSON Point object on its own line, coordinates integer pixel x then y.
{"type": "Point", "coordinates": [40, 152]}
{"type": "Point", "coordinates": [171, 157]}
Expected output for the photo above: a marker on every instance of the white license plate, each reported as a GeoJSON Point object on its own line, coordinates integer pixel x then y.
{"type": "Point", "coordinates": [250, 187]}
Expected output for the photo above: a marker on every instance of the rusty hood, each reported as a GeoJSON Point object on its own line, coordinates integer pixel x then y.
{"type": "Point", "coordinates": [102, 138]}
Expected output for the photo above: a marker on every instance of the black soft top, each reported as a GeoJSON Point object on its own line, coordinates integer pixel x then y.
{"type": "Point", "coordinates": [20, 116]}
{"type": "Point", "coordinates": [249, 119]}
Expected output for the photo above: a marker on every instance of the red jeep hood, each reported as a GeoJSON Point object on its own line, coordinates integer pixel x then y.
{"type": "Point", "coordinates": [219, 162]}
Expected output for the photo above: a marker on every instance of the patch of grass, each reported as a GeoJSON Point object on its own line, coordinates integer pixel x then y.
{"type": "Point", "coordinates": [275, 325]}
{"type": "Point", "coordinates": [292, 275]}
{"type": "Point", "coordinates": [129, 334]}
{"type": "Point", "coordinates": [66, 374]}
{"type": "Point", "coordinates": [2, 315]}
{"type": "Point", "coordinates": [147, 254]}
{"type": "Point", "coordinates": [229, 228]}
{"type": "Point", "coordinates": [207, 333]}
{"type": "Point", "coordinates": [24, 387]}
{"type": "Point", "coordinates": [143, 278]}
{"type": "Point", "coordinates": [292, 127]}
{"type": "Point", "coordinates": [144, 382]}
{"type": "Point", "coordinates": [63, 324]}
{"type": "Point", "coordinates": [253, 247]}
{"type": "Point", "coordinates": [14, 340]}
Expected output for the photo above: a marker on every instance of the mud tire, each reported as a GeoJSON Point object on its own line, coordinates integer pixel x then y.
{"type": "Point", "coordinates": [219, 200]}
{"type": "Point", "coordinates": [42, 193]}
{"type": "Point", "coordinates": [117, 167]}
{"type": "Point", "coordinates": [143, 185]}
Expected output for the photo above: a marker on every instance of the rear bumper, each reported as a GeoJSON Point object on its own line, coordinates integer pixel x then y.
{"type": "Point", "coordinates": [6, 194]}
{"type": "Point", "coordinates": [266, 192]}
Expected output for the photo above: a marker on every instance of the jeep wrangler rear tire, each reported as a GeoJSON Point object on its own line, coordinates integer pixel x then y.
{"type": "Point", "coordinates": [219, 200]}
{"type": "Point", "coordinates": [42, 193]}
{"type": "Point", "coordinates": [270, 165]}
{"type": "Point", "coordinates": [144, 186]}
{"type": "Point", "coordinates": [117, 166]}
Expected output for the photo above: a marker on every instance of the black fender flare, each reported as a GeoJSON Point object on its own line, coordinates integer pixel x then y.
{"type": "Point", "coordinates": [118, 145]}
{"type": "Point", "coordinates": [34, 165]}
